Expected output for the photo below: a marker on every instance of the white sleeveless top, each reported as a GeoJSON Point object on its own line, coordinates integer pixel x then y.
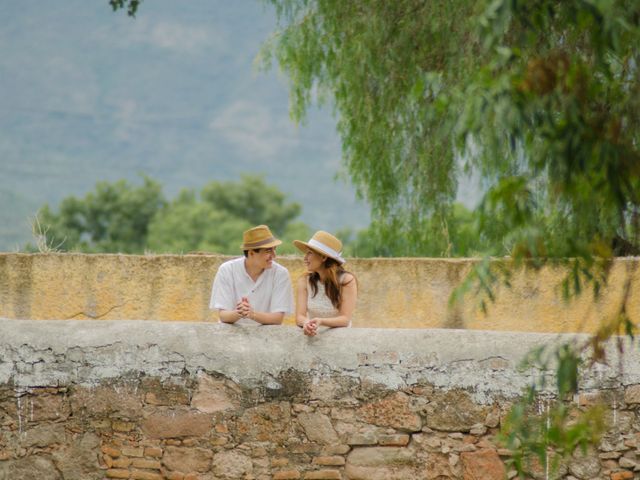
{"type": "Point", "coordinates": [320, 306]}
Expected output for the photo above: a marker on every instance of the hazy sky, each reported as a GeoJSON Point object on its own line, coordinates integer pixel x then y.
{"type": "Point", "coordinates": [90, 95]}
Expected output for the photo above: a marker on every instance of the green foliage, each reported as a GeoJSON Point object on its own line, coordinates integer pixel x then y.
{"type": "Point", "coordinates": [188, 224]}
{"type": "Point", "coordinates": [119, 217]}
{"type": "Point", "coordinates": [130, 5]}
{"type": "Point", "coordinates": [113, 218]}
{"type": "Point", "coordinates": [455, 235]}
{"type": "Point", "coordinates": [540, 98]}
{"type": "Point", "coordinates": [546, 429]}
{"type": "Point", "coordinates": [386, 66]}
{"type": "Point", "coordinates": [253, 200]}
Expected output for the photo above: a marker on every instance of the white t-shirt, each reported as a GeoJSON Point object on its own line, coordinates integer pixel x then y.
{"type": "Point", "coordinates": [271, 293]}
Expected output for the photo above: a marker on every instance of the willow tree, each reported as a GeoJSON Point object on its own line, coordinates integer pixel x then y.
{"type": "Point", "coordinates": [540, 98]}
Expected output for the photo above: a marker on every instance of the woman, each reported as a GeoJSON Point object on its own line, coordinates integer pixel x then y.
{"type": "Point", "coordinates": [327, 292]}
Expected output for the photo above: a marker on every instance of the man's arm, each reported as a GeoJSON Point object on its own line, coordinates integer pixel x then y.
{"type": "Point", "coordinates": [281, 300]}
{"type": "Point", "coordinates": [265, 318]}
{"type": "Point", "coordinates": [228, 316]}
{"type": "Point", "coordinates": [222, 296]}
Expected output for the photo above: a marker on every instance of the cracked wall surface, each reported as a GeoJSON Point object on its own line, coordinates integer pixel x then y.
{"type": "Point", "coordinates": [394, 293]}
{"type": "Point", "coordinates": [193, 400]}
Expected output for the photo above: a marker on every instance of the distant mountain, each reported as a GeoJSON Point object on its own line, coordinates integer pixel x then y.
{"type": "Point", "coordinates": [90, 95]}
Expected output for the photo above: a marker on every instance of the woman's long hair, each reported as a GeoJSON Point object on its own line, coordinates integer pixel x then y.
{"type": "Point", "coordinates": [332, 285]}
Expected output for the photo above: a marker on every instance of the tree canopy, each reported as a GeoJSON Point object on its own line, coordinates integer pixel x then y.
{"type": "Point", "coordinates": [121, 217]}
{"type": "Point", "coordinates": [539, 98]}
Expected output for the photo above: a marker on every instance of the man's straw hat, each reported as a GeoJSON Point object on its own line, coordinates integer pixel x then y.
{"type": "Point", "coordinates": [323, 243]}
{"type": "Point", "coordinates": [259, 237]}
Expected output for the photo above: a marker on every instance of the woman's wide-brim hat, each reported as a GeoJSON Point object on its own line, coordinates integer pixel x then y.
{"type": "Point", "coordinates": [259, 237]}
{"type": "Point", "coordinates": [323, 243]}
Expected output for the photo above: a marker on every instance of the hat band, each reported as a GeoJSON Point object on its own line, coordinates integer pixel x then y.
{"type": "Point", "coordinates": [324, 248]}
{"type": "Point", "coordinates": [252, 245]}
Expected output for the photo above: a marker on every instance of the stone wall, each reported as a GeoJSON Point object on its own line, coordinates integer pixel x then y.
{"type": "Point", "coordinates": [395, 292]}
{"type": "Point", "coordinates": [185, 401]}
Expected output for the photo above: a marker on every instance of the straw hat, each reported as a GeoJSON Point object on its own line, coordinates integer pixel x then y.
{"type": "Point", "coordinates": [258, 237]}
{"type": "Point", "coordinates": [323, 243]}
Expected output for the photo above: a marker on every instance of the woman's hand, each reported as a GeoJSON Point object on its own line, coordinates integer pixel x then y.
{"type": "Point", "coordinates": [310, 327]}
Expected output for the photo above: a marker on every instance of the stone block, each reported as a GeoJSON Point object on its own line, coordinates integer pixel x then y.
{"type": "Point", "coordinates": [287, 475]}
{"type": "Point", "coordinates": [133, 451]}
{"type": "Point", "coordinates": [622, 475]}
{"type": "Point", "coordinates": [232, 464]}
{"type": "Point", "coordinates": [155, 452]}
{"type": "Point", "coordinates": [632, 395]}
{"type": "Point", "coordinates": [318, 428]}
{"type": "Point", "coordinates": [176, 423]}
{"type": "Point", "coordinates": [395, 440]}
{"type": "Point", "coordinates": [122, 462]}
{"type": "Point", "coordinates": [369, 437]}
{"type": "Point", "coordinates": [482, 465]}
{"type": "Point", "coordinates": [381, 456]}
{"type": "Point", "coordinates": [43, 435]}
{"type": "Point", "coordinates": [79, 458]}
{"type": "Point", "coordinates": [438, 466]}
{"type": "Point", "coordinates": [121, 426]}
{"type": "Point", "coordinates": [335, 449]}
{"type": "Point", "coordinates": [117, 473]}
{"type": "Point", "coordinates": [145, 475]}
{"type": "Point", "coordinates": [279, 462]}
{"type": "Point", "coordinates": [269, 422]}
{"type": "Point", "coordinates": [121, 400]}
{"type": "Point", "coordinates": [329, 460]}
{"type": "Point", "coordinates": [357, 472]}
{"type": "Point", "coordinates": [185, 459]}
{"type": "Point", "coordinates": [160, 393]}
{"type": "Point", "coordinates": [38, 408]}
{"type": "Point", "coordinates": [174, 475]}
{"type": "Point", "coordinates": [455, 411]}
{"type": "Point", "coordinates": [323, 475]}
{"type": "Point", "coordinates": [214, 395]}
{"type": "Point", "coordinates": [110, 450]}
{"type": "Point", "coordinates": [145, 463]}
{"type": "Point", "coordinates": [394, 411]}
{"type": "Point", "coordinates": [32, 467]}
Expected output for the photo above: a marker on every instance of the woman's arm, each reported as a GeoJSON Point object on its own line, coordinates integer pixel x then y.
{"type": "Point", "coordinates": [348, 305]}
{"type": "Point", "coordinates": [301, 302]}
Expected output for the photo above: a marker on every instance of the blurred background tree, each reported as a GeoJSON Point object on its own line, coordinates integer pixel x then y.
{"type": "Point", "coordinates": [113, 218]}
{"type": "Point", "coordinates": [120, 217]}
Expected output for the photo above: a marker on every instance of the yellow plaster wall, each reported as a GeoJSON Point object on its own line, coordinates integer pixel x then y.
{"type": "Point", "coordinates": [399, 292]}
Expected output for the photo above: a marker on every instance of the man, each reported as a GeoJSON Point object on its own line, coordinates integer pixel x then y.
{"type": "Point", "coordinates": [253, 289]}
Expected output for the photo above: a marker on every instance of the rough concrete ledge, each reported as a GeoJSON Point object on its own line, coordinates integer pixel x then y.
{"type": "Point", "coordinates": [60, 353]}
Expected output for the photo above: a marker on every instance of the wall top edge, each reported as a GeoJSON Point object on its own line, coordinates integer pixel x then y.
{"type": "Point", "coordinates": [288, 257]}
{"type": "Point", "coordinates": [484, 362]}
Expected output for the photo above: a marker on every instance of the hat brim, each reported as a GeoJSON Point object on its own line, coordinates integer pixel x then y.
{"type": "Point", "coordinates": [304, 247]}
{"type": "Point", "coordinates": [256, 246]}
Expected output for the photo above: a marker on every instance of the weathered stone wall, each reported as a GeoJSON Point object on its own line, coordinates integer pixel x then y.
{"type": "Point", "coordinates": [396, 293]}
{"type": "Point", "coordinates": [186, 401]}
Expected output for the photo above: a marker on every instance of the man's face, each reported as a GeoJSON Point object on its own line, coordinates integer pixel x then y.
{"type": "Point", "coordinates": [263, 257]}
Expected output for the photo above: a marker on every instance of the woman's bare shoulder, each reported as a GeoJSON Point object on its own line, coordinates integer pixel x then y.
{"type": "Point", "coordinates": [347, 278]}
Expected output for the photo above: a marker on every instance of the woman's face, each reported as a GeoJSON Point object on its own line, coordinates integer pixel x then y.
{"type": "Point", "coordinates": [313, 261]}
